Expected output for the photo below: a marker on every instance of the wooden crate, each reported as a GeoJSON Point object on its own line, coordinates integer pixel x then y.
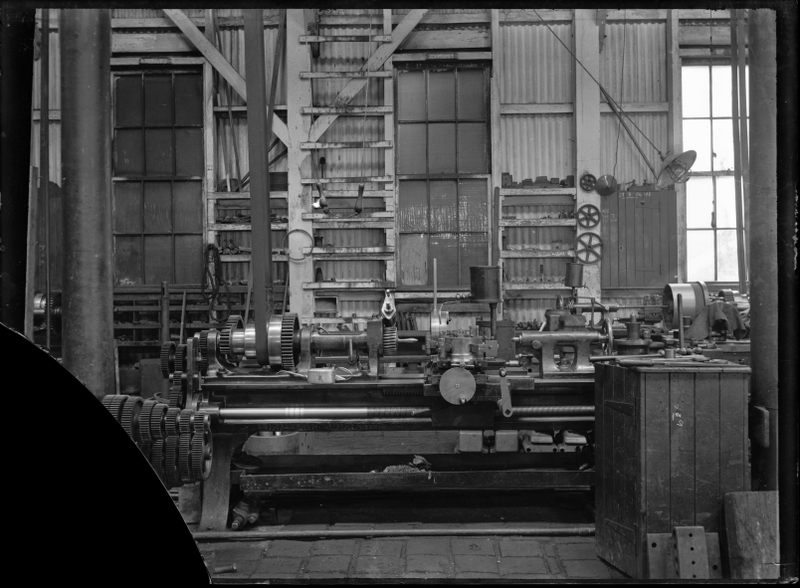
{"type": "Point", "coordinates": [670, 442]}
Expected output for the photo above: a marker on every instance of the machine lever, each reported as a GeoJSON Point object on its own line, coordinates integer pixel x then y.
{"type": "Point", "coordinates": [505, 396]}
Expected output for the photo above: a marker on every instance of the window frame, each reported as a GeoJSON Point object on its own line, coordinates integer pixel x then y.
{"type": "Point", "coordinates": [454, 66]}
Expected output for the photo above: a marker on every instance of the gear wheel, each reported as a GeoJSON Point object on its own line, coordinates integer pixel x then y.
{"type": "Point", "coordinates": [288, 332]}
{"type": "Point", "coordinates": [171, 462]}
{"type": "Point", "coordinates": [130, 417]}
{"type": "Point", "coordinates": [201, 423]}
{"type": "Point", "coordinates": [198, 457]}
{"type": "Point", "coordinates": [171, 422]}
{"type": "Point", "coordinates": [167, 359]}
{"type": "Point", "coordinates": [234, 322]}
{"type": "Point", "coordinates": [157, 431]}
{"type": "Point", "coordinates": [202, 364]}
{"type": "Point", "coordinates": [177, 390]}
{"type": "Point", "coordinates": [115, 406]}
{"type": "Point", "coordinates": [107, 400]}
{"type": "Point", "coordinates": [185, 458]}
{"type": "Point", "coordinates": [144, 420]}
{"type": "Point", "coordinates": [145, 448]}
{"type": "Point", "coordinates": [180, 358]}
{"type": "Point", "coordinates": [185, 421]}
{"type": "Point", "coordinates": [389, 341]}
{"type": "Point", "coordinates": [157, 459]}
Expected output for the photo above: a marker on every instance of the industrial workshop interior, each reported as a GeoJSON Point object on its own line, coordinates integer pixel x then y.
{"type": "Point", "coordinates": [420, 295]}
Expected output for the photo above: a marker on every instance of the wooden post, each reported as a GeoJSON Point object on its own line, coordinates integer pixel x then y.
{"type": "Point", "coordinates": [209, 140]}
{"type": "Point", "coordinates": [495, 200]}
{"type": "Point", "coordinates": [388, 134]}
{"type": "Point", "coordinates": [587, 124]}
{"type": "Point", "coordinates": [675, 132]}
{"type": "Point", "coordinates": [298, 94]}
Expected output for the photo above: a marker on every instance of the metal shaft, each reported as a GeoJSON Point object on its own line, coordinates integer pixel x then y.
{"type": "Point", "coordinates": [87, 314]}
{"type": "Point", "coordinates": [317, 412]}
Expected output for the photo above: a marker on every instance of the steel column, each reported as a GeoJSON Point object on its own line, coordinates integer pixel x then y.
{"type": "Point", "coordinates": [87, 313]}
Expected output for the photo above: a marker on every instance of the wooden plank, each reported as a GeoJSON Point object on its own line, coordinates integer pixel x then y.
{"type": "Point", "coordinates": [654, 420]}
{"type": "Point", "coordinates": [346, 180]}
{"type": "Point", "coordinates": [345, 285]}
{"type": "Point", "coordinates": [534, 286]}
{"type": "Point", "coordinates": [390, 236]}
{"type": "Point", "coordinates": [222, 65]}
{"type": "Point", "coordinates": [537, 254]}
{"type": "Point", "coordinates": [734, 475]}
{"type": "Point", "coordinates": [525, 16]}
{"type": "Point", "coordinates": [539, 222]}
{"type": "Point", "coordinates": [751, 525]}
{"type": "Point", "coordinates": [209, 137]}
{"type": "Point", "coordinates": [630, 239]}
{"type": "Point", "coordinates": [707, 494]}
{"type": "Point", "coordinates": [705, 35]}
{"type": "Point", "coordinates": [170, 60]}
{"type": "Point", "coordinates": [349, 110]}
{"type": "Point", "coordinates": [542, 108]}
{"type": "Point", "coordinates": [443, 56]}
{"type": "Point", "coordinates": [346, 145]}
{"type": "Point", "coordinates": [362, 218]}
{"type": "Point", "coordinates": [377, 60]}
{"type": "Point", "coordinates": [151, 43]}
{"type": "Point", "coordinates": [677, 223]}
{"type": "Point", "coordinates": [242, 226]}
{"type": "Point", "coordinates": [602, 375]}
{"type": "Point", "coordinates": [537, 191]}
{"type": "Point", "coordinates": [682, 443]}
{"type": "Point", "coordinates": [344, 39]}
{"type": "Point", "coordinates": [448, 39]}
{"type": "Point", "coordinates": [317, 75]}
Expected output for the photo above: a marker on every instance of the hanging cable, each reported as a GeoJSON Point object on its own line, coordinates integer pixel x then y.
{"type": "Point", "coordinates": [212, 278]}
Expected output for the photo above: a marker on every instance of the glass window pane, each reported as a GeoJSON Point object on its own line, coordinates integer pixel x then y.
{"type": "Point", "coordinates": [413, 264]}
{"type": "Point", "coordinates": [189, 253]}
{"type": "Point", "coordinates": [472, 156]}
{"type": "Point", "coordinates": [727, 260]}
{"type": "Point", "coordinates": [444, 248]}
{"type": "Point", "coordinates": [189, 152]}
{"type": "Point", "coordinates": [723, 144]}
{"type": "Point", "coordinates": [442, 95]}
{"type": "Point", "coordinates": [157, 207]}
{"type": "Point", "coordinates": [700, 258]}
{"type": "Point", "coordinates": [158, 155]}
{"type": "Point", "coordinates": [697, 136]}
{"type": "Point", "coordinates": [128, 153]}
{"type": "Point", "coordinates": [721, 96]}
{"type": "Point", "coordinates": [694, 91]}
{"type": "Point", "coordinates": [158, 259]}
{"type": "Point", "coordinates": [472, 206]}
{"type": "Point", "coordinates": [188, 202]}
{"type": "Point", "coordinates": [471, 95]}
{"type": "Point", "coordinates": [188, 99]}
{"type": "Point", "coordinates": [127, 260]}
{"type": "Point", "coordinates": [412, 152]}
{"type": "Point", "coordinates": [412, 208]}
{"type": "Point", "coordinates": [411, 95]}
{"type": "Point", "coordinates": [699, 203]}
{"type": "Point", "coordinates": [726, 202]}
{"type": "Point", "coordinates": [127, 207]}
{"type": "Point", "coordinates": [441, 148]}
{"type": "Point", "coordinates": [128, 101]}
{"type": "Point", "coordinates": [444, 206]}
{"type": "Point", "coordinates": [158, 101]}
{"type": "Point", "coordinates": [474, 250]}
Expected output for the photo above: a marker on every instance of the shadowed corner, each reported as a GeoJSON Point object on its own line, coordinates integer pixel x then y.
{"type": "Point", "coordinates": [89, 481]}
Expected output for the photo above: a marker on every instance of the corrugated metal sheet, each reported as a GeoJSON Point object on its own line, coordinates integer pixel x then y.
{"type": "Point", "coordinates": [522, 310]}
{"type": "Point", "coordinates": [537, 145]}
{"type": "Point", "coordinates": [628, 165]}
{"type": "Point", "coordinates": [445, 11]}
{"type": "Point", "coordinates": [152, 13]}
{"type": "Point", "coordinates": [633, 64]}
{"type": "Point", "coordinates": [536, 67]}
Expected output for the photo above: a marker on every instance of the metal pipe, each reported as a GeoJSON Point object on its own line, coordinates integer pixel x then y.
{"type": "Point", "coordinates": [763, 239]}
{"type": "Point", "coordinates": [553, 410]}
{"type": "Point", "coordinates": [87, 313]}
{"type": "Point", "coordinates": [44, 163]}
{"type": "Point", "coordinates": [681, 341]}
{"type": "Point", "coordinates": [322, 341]}
{"type": "Point", "coordinates": [360, 423]}
{"type": "Point", "coordinates": [532, 531]}
{"type": "Point", "coordinates": [743, 130]}
{"type": "Point", "coordinates": [566, 419]}
{"type": "Point", "coordinates": [317, 412]}
{"type": "Point", "coordinates": [738, 148]}
{"type": "Point", "coordinates": [164, 312]}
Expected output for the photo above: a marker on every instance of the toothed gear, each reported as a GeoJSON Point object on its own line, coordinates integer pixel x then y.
{"type": "Point", "coordinates": [167, 359]}
{"type": "Point", "coordinates": [107, 400]}
{"type": "Point", "coordinates": [157, 421]}
{"type": "Point", "coordinates": [201, 422]}
{"type": "Point", "coordinates": [234, 322]}
{"type": "Point", "coordinates": [144, 420]}
{"type": "Point", "coordinates": [185, 421]}
{"type": "Point", "coordinates": [389, 341]}
{"type": "Point", "coordinates": [198, 455]}
{"type": "Point", "coordinates": [115, 406]}
{"type": "Point", "coordinates": [157, 459]}
{"type": "Point", "coordinates": [177, 390]}
{"type": "Point", "coordinates": [145, 447]}
{"type": "Point", "coordinates": [171, 462]}
{"type": "Point", "coordinates": [171, 422]}
{"type": "Point", "coordinates": [130, 417]}
{"type": "Point", "coordinates": [202, 363]}
{"type": "Point", "coordinates": [185, 458]}
{"type": "Point", "coordinates": [180, 358]}
{"type": "Point", "coordinates": [288, 330]}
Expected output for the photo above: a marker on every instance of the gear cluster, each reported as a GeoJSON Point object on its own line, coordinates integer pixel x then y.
{"type": "Point", "coordinates": [176, 441]}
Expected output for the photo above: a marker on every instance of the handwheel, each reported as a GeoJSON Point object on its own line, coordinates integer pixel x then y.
{"type": "Point", "coordinates": [588, 216]}
{"type": "Point", "coordinates": [589, 248]}
{"type": "Point", "coordinates": [588, 182]}
{"type": "Point", "coordinates": [608, 333]}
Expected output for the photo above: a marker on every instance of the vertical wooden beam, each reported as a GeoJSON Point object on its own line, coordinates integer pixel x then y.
{"type": "Point", "coordinates": [209, 136]}
{"type": "Point", "coordinates": [587, 124]}
{"type": "Point", "coordinates": [388, 134]}
{"type": "Point", "coordinates": [495, 240]}
{"type": "Point", "coordinates": [675, 132]}
{"type": "Point", "coordinates": [298, 94]}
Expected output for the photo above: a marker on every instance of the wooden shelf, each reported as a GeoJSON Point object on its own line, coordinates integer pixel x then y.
{"type": "Point", "coordinates": [220, 227]}
{"type": "Point", "coordinates": [537, 253]}
{"type": "Point", "coordinates": [347, 285]}
{"type": "Point", "coordinates": [348, 110]}
{"type": "Point", "coordinates": [508, 286]}
{"type": "Point", "coordinates": [539, 222]}
{"type": "Point", "coordinates": [347, 145]}
{"type": "Point", "coordinates": [325, 218]}
{"type": "Point", "coordinates": [315, 75]}
{"type": "Point", "coordinates": [345, 39]}
{"type": "Point", "coordinates": [273, 195]}
{"type": "Point", "coordinates": [537, 191]}
{"type": "Point", "coordinates": [348, 180]}
{"type": "Point", "coordinates": [245, 257]}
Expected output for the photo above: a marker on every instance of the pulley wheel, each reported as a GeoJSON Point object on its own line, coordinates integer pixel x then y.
{"type": "Point", "coordinates": [588, 216]}
{"type": "Point", "coordinates": [608, 333]}
{"type": "Point", "coordinates": [457, 386]}
{"type": "Point", "coordinates": [589, 248]}
{"type": "Point", "coordinates": [588, 182]}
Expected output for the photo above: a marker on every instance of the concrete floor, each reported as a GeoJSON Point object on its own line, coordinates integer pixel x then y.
{"type": "Point", "coordinates": [477, 557]}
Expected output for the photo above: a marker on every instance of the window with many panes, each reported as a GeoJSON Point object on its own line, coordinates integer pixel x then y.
{"type": "Point", "coordinates": [158, 167]}
{"type": "Point", "coordinates": [711, 192]}
{"type": "Point", "coordinates": [442, 169]}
